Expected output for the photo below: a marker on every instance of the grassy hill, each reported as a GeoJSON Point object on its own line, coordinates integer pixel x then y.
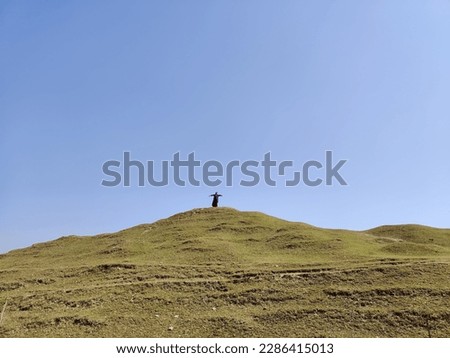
{"type": "Point", "coordinates": [219, 272]}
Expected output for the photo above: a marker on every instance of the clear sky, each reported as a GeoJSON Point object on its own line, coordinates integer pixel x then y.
{"type": "Point", "coordinates": [83, 81]}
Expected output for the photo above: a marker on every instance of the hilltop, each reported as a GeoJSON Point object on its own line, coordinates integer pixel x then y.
{"type": "Point", "coordinates": [220, 272]}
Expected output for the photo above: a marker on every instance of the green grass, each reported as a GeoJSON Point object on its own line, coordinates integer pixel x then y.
{"type": "Point", "coordinates": [219, 272]}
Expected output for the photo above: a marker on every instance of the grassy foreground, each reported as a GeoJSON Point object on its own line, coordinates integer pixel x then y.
{"type": "Point", "coordinates": [219, 272]}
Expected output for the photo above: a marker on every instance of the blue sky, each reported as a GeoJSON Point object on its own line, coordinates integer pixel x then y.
{"type": "Point", "coordinates": [83, 81]}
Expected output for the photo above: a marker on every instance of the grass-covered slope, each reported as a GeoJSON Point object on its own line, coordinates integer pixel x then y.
{"type": "Point", "coordinates": [222, 272]}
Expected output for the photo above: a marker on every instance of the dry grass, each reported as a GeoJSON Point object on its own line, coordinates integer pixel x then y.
{"type": "Point", "coordinates": [222, 273]}
{"type": "Point", "coordinates": [3, 312]}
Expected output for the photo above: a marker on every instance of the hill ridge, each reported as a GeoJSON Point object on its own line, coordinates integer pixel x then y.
{"type": "Point", "coordinates": [396, 230]}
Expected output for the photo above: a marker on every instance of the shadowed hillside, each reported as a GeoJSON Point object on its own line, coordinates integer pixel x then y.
{"type": "Point", "coordinates": [219, 272]}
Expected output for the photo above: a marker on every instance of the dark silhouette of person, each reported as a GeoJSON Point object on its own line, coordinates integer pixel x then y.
{"type": "Point", "coordinates": [215, 201]}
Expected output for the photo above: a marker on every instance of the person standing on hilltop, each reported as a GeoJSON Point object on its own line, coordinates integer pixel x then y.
{"type": "Point", "coordinates": [215, 201]}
